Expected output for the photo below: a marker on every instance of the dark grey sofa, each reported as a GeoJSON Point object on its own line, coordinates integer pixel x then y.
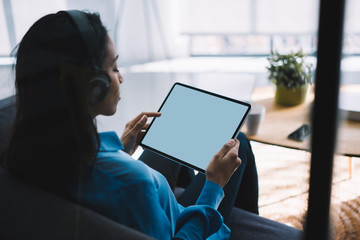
{"type": "Point", "coordinates": [27, 212]}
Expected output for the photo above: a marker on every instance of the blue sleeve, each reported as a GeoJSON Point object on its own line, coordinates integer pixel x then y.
{"type": "Point", "coordinates": [202, 220]}
{"type": "Point", "coordinates": [195, 222]}
{"type": "Point", "coordinates": [211, 195]}
{"type": "Point", "coordinates": [145, 212]}
{"type": "Point", "coordinates": [198, 222]}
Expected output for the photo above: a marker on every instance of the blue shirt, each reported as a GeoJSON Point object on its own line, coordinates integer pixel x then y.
{"type": "Point", "coordinates": [129, 192]}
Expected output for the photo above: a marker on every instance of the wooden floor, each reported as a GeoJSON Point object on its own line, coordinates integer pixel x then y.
{"type": "Point", "coordinates": [283, 182]}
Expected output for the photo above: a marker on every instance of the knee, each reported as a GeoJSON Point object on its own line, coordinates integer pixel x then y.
{"type": "Point", "coordinates": [242, 137]}
{"type": "Point", "coordinates": [245, 150]}
{"type": "Point", "coordinates": [244, 142]}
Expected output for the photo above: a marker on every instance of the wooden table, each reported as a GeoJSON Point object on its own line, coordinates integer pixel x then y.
{"type": "Point", "coordinates": [281, 120]}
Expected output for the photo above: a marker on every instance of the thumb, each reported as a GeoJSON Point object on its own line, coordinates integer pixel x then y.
{"type": "Point", "coordinates": [226, 148]}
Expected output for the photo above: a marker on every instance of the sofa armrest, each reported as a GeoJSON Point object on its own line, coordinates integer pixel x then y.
{"type": "Point", "coordinates": [31, 213]}
{"type": "Point", "coordinates": [246, 225]}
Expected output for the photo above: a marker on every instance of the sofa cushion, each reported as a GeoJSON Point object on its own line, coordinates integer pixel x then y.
{"type": "Point", "coordinates": [31, 213]}
{"type": "Point", "coordinates": [246, 225]}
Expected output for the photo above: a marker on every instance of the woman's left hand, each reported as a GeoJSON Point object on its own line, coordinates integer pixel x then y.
{"type": "Point", "coordinates": [135, 130]}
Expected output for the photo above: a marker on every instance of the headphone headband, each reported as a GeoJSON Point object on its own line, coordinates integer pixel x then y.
{"type": "Point", "coordinates": [99, 82]}
{"type": "Point", "coordinates": [87, 33]}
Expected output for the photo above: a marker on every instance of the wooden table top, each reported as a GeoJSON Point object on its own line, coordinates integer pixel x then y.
{"type": "Point", "coordinates": [280, 121]}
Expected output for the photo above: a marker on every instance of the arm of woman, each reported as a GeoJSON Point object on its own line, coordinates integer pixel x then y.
{"type": "Point", "coordinates": [202, 220]}
{"type": "Point", "coordinates": [204, 215]}
{"type": "Point", "coordinates": [158, 215]}
{"type": "Point", "coordinates": [162, 218]}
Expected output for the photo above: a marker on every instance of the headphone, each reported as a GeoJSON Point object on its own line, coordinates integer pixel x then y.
{"type": "Point", "coordinates": [99, 82]}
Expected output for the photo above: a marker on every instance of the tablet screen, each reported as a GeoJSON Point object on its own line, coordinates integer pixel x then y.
{"type": "Point", "coordinates": [194, 125]}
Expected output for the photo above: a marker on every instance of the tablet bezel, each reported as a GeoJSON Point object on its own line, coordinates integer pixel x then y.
{"type": "Point", "coordinates": [243, 120]}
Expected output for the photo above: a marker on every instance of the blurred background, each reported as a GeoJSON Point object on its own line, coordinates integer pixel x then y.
{"type": "Point", "coordinates": [218, 45]}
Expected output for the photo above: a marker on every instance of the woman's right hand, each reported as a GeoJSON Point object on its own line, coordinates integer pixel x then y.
{"type": "Point", "coordinates": [224, 163]}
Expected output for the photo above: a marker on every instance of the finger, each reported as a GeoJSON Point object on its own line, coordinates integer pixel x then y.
{"type": "Point", "coordinates": [234, 149]}
{"type": "Point", "coordinates": [137, 118]}
{"type": "Point", "coordinates": [140, 136]}
{"type": "Point", "coordinates": [140, 124]}
{"type": "Point", "coordinates": [237, 164]}
{"type": "Point", "coordinates": [237, 145]}
{"type": "Point", "coordinates": [239, 161]}
{"type": "Point", "coordinates": [232, 154]}
{"type": "Point", "coordinates": [146, 126]}
{"type": "Point", "coordinates": [227, 146]}
{"type": "Point", "coordinates": [148, 114]}
{"type": "Point", "coordinates": [152, 114]}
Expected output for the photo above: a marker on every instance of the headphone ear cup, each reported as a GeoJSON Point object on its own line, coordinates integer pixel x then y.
{"type": "Point", "coordinates": [99, 87]}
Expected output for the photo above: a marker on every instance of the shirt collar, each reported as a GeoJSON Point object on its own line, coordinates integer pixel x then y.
{"type": "Point", "coordinates": [110, 142]}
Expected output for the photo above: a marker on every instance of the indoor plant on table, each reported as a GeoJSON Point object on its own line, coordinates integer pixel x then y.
{"type": "Point", "coordinates": [291, 75]}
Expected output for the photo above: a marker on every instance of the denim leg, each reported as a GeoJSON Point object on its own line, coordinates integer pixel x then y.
{"type": "Point", "coordinates": [248, 191]}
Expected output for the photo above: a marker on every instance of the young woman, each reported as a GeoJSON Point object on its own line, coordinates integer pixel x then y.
{"type": "Point", "coordinates": [55, 144]}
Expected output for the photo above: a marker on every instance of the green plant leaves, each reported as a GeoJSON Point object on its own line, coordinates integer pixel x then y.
{"type": "Point", "coordinates": [289, 70]}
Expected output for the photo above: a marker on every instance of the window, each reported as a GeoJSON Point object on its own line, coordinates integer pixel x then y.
{"type": "Point", "coordinates": [352, 28]}
{"type": "Point", "coordinates": [249, 27]}
{"type": "Point", "coordinates": [4, 38]}
{"type": "Point", "coordinates": [19, 15]}
{"type": "Point", "coordinates": [23, 18]}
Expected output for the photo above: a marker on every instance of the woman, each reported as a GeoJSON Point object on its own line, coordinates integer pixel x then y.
{"type": "Point", "coordinates": [55, 144]}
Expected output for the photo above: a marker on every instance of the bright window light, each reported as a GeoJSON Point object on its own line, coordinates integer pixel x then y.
{"type": "Point", "coordinates": [249, 27]}
{"type": "Point", "coordinates": [287, 16]}
{"type": "Point", "coordinates": [25, 13]}
{"type": "Point", "coordinates": [209, 16]}
{"type": "Point", "coordinates": [4, 37]}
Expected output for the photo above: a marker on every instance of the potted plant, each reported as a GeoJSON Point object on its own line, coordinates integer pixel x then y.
{"type": "Point", "coordinates": [291, 75]}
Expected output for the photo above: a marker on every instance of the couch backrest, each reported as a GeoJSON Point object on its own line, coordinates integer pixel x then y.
{"type": "Point", "coordinates": [27, 212]}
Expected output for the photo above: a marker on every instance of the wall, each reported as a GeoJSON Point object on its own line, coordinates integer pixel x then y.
{"type": "Point", "coordinates": [7, 86]}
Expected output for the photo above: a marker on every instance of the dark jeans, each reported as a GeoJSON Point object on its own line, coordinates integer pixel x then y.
{"type": "Point", "coordinates": [241, 190]}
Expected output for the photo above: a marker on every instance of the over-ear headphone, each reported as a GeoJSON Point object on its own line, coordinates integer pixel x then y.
{"type": "Point", "coordinates": [99, 82]}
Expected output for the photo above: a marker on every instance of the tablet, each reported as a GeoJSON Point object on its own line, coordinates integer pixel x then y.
{"type": "Point", "coordinates": [194, 125]}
